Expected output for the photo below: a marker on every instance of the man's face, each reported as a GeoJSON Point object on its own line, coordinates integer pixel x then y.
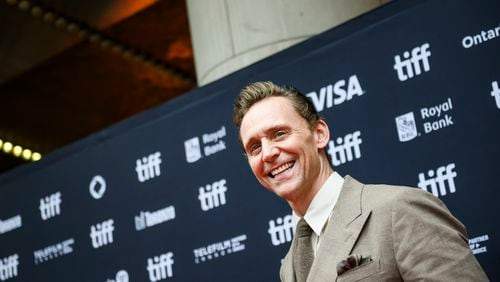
{"type": "Point", "coordinates": [283, 150]}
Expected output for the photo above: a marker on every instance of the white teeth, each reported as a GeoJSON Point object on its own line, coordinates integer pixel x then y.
{"type": "Point", "coordinates": [281, 168]}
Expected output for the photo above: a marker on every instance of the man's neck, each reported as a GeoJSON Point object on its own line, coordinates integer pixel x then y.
{"type": "Point", "coordinates": [301, 204]}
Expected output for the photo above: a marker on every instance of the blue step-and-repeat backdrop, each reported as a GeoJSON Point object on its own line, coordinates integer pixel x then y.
{"type": "Point", "coordinates": [411, 92]}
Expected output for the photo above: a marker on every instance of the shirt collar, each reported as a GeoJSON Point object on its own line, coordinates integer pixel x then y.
{"type": "Point", "coordinates": [324, 201]}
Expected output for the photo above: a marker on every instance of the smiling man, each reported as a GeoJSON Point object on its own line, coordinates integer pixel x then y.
{"type": "Point", "coordinates": [345, 230]}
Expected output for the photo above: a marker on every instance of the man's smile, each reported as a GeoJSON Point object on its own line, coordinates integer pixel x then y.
{"type": "Point", "coordinates": [281, 169]}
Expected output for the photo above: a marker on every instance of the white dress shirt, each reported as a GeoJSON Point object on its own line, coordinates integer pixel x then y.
{"type": "Point", "coordinates": [321, 208]}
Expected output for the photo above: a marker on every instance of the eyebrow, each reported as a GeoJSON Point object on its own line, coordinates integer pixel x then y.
{"type": "Point", "coordinates": [266, 133]}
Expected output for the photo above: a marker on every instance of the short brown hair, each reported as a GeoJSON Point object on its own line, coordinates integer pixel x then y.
{"type": "Point", "coordinates": [258, 91]}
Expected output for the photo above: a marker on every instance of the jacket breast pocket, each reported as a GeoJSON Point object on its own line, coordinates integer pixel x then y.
{"type": "Point", "coordinates": [364, 272]}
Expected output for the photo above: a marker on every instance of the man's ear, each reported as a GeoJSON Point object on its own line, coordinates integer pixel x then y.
{"type": "Point", "coordinates": [322, 134]}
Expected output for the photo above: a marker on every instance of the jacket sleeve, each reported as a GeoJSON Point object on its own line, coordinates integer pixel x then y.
{"type": "Point", "coordinates": [429, 243]}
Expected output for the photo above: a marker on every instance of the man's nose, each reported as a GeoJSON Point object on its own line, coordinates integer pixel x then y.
{"type": "Point", "coordinates": [269, 151]}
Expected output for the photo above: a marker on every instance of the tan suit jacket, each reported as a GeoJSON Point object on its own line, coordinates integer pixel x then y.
{"type": "Point", "coordinates": [409, 234]}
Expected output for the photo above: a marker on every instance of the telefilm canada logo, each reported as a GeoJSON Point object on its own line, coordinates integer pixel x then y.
{"type": "Point", "coordinates": [337, 93]}
{"type": "Point", "coordinates": [211, 143]}
{"type": "Point", "coordinates": [345, 149]}
{"type": "Point", "coordinates": [414, 63]}
{"type": "Point", "coordinates": [10, 224]}
{"type": "Point", "coordinates": [476, 244]}
{"type": "Point", "coordinates": [281, 230]}
{"type": "Point", "coordinates": [440, 181]}
{"type": "Point", "coordinates": [220, 249]}
{"type": "Point", "coordinates": [54, 251]}
{"type": "Point", "coordinates": [433, 118]}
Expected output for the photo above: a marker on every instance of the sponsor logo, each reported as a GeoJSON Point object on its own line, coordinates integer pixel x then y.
{"type": "Point", "coordinates": [495, 92]}
{"type": "Point", "coordinates": [148, 167]}
{"type": "Point", "coordinates": [336, 94]}
{"type": "Point", "coordinates": [481, 37]}
{"type": "Point", "coordinates": [433, 119]}
{"type": "Point", "coordinates": [406, 126]}
{"type": "Point", "coordinates": [8, 267]}
{"type": "Point", "coordinates": [121, 276]}
{"type": "Point", "coordinates": [412, 65]}
{"type": "Point", "coordinates": [281, 230]}
{"type": "Point", "coordinates": [97, 187]}
{"type": "Point", "coordinates": [101, 234]}
{"type": "Point", "coordinates": [213, 195]}
{"type": "Point", "coordinates": [147, 219]}
{"type": "Point", "coordinates": [50, 206]}
{"type": "Point", "coordinates": [160, 267]}
{"type": "Point", "coordinates": [475, 244]}
{"type": "Point", "coordinates": [437, 180]}
{"type": "Point", "coordinates": [345, 149]}
{"type": "Point", "coordinates": [10, 224]}
{"type": "Point", "coordinates": [219, 249]}
{"type": "Point", "coordinates": [54, 251]}
{"type": "Point", "coordinates": [213, 142]}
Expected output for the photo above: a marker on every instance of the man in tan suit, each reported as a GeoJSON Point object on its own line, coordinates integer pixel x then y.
{"type": "Point", "coordinates": [346, 231]}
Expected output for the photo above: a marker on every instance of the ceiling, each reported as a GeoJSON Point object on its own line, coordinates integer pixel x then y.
{"type": "Point", "coordinates": [70, 68]}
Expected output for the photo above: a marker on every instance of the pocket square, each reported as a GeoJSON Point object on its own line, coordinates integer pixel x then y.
{"type": "Point", "coordinates": [351, 262]}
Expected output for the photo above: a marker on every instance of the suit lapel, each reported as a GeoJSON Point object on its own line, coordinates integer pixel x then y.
{"type": "Point", "coordinates": [341, 233]}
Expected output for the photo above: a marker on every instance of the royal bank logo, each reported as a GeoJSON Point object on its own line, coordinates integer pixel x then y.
{"type": "Point", "coordinates": [281, 230]}
{"type": "Point", "coordinates": [50, 206]}
{"type": "Point", "coordinates": [335, 94]}
{"type": "Point", "coordinates": [212, 143]}
{"type": "Point", "coordinates": [10, 224]}
{"type": "Point", "coordinates": [220, 249]}
{"type": "Point", "coordinates": [147, 219]}
{"type": "Point", "coordinates": [54, 251]}
{"type": "Point", "coordinates": [345, 149]}
{"type": "Point", "coordinates": [213, 195]}
{"type": "Point", "coordinates": [8, 267]}
{"type": "Point", "coordinates": [495, 92]}
{"type": "Point", "coordinates": [406, 126]}
{"type": "Point", "coordinates": [101, 234]}
{"type": "Point", "coordinates": [432, 119]}
{"type": "Point", "coordinates": [440, 181]}
{"type": "Point", "coordinates": [97, 187]}
{"type": "Point", "coordinates": [121, 276]}
{"type": "Point", "coordinates": [148, 167]}
{"type": "Point", "coordinates": [476, 244]}
{"type": "Point", "coordinates": [481, 37]}
{"type": "Point", "coordinates": [413, 65]}
{"type": "Point", "coordinates": [160, 267]}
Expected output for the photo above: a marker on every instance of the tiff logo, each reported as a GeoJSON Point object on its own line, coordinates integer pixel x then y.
{"type": "Point", "coordinates": [160, 267]}
{"type": "Point", "coordinates": [102, 233]}
{"type": "Point", "coordinates": [8, 267]}
{"type": "Point", "coordinates": [213, 195]}
{"type": "Point", "coordinates": [148, 167]}
{"type": "Point", "coordinates": [281, 230]}
{"type": "Point", "coordinates": [54, 251]}
{"type": "Point", "coordinates": [437, 180]}
{"type": "Point", "coordinates": [411, 66]}
{"type": "Point", "coordinates": [495, 92]}
{"type": "Point", "coordinates": [345, 149]}
{"type": "Point", "coordinates": [50, 206]}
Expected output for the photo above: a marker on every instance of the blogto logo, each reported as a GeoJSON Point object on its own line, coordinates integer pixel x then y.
{"type": "Point", "coordinates": [411, 66]}
{"type": "Point", "coordinates": [406, 126]}
{"type": "Point", "coordinates": [97, 187]}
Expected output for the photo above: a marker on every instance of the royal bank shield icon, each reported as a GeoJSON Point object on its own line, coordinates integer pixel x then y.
{"type": "Point", "coordinates": [406, 126]}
